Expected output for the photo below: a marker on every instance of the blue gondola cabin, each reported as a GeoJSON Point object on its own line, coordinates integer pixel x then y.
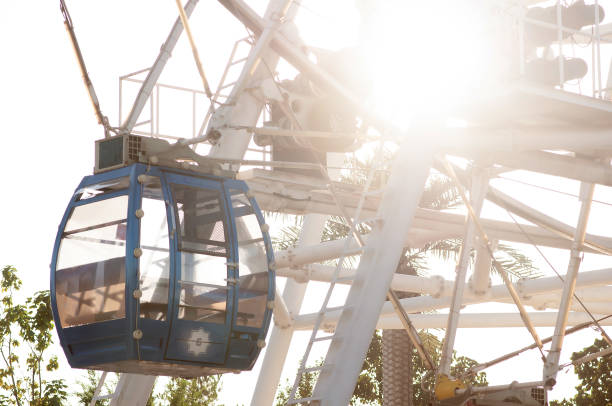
{"type": "Point", "coordinates": [162, 271]}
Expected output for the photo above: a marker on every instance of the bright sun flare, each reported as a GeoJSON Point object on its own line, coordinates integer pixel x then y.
{"type": "Point", "coordinates": [426, 57]}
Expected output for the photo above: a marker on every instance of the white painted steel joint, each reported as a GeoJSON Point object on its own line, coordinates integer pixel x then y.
{"type": "Point", "coordinates": [440, 281]}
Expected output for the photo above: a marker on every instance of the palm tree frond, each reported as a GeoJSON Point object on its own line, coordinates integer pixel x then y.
{"type": "Point", "coordinates": [516, 263]}
{"type": "Point", "coordinates": [288, 237]}
{"type": "Point", "coordinates": [445, 249]}
{"type": "Point", "coordinates": [440, 193]}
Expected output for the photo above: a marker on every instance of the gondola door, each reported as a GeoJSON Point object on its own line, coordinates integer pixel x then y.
{"type": "Point", "coordinates": [200, 319]}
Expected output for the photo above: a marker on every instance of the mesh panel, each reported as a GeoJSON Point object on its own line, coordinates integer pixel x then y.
{"type": "Point", "coordinates": [539, 394]}
{"type": "Point", "coordinates": [201, 220]}
{"type": "Point", "coordinates": [253, 264]}
{"type": "Point", "coordinates": [134, 148]}
{"type": "Point", "coordinates": [397, 368]}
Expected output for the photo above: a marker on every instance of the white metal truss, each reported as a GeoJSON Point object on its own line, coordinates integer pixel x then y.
{"type": "Point", "coordinates": [335, 278]}
{"type": "Point", "coordinates": [131, 389]}
{"type": "Point", "coordinates": [545, 119]}
{"type": "Point", "coordinates": [551, 367]}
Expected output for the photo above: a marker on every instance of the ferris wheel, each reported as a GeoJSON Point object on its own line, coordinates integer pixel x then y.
{"type": "Point", "coordinates": [163, 264]}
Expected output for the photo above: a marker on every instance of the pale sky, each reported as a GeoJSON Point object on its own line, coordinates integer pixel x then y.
{"type": "Point", "coordinates": [49, 130]}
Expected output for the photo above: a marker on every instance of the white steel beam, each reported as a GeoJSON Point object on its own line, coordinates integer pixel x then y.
{"type": "Point", "coordinates": [589, 294]}
{"type": "Point", "coordinates": [327, 250]}
{"type": "Point", "coordinates": [540, 219]}
{"type": "Point", "coordinates": [485, 320]}
{"type": "Point", "coordinates": [480, 280]}
{"type": "Point", "coordinates": [435, 286]}
{"type": "Point", "coordinates": [549, 223]}
{"type": "Point", "coordinates": [133, 390]}
{"type": "Point", "coordinates": [593, 307]}
{"type": "Point", "coordinates": [525, 288]}
{"type": "Point", "coordinates": [582, 169]}
{"type": "Point", "coordinates": [245, 108]}
{"type": "Point", "coordinates": [283, 197]}
{"type": "Point", "coordinates": [293, 296]}
{"type": "Point", "coordinates": [475, 140]}
{"type": "Point", "coordinates": [280, 338]}
{"type": "Point", "coordinates": [382, 252]}
{"type": "Point", "coordinates": [477, 195]}
{"type": "Point", "coordinates": [282, 316]}
{"type": "Point", "coordinates": [551, 366]}
{"type": "Point", "coordinates": [476, 320]}
{"type": "Point", "coordinates": [296, 57]}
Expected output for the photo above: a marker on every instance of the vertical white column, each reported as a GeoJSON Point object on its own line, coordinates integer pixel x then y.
{"type": "Point", "coordinates": [378, 263]}
{"type": "Point", "coordinates": [133, 390]}
{"type": "Point", "coordinates": [551, 367]}
{"type": "Point", "coordinates": [477, 196]}
{"type": "Point", "coordinates": [480, 280]}
{"type": "Point", "coordinates": [293, 295]}
{"type": "Point", "coordinates": [280, 338]}
{"type": "Point", "coordinates": [245, 108]}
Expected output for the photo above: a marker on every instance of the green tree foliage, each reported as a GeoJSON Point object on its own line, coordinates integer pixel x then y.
{"type": "Point", "coordinates": [368, 390]}
{"type": "Point", "coordinates": [423, 379]}
{"type": "Point", "coordinates": [563, 402]}
{"type": "Point", "coordinates": [595, 387]}
{"type": "Point", "coordinates": [201, 391]}
{"type": "Point", "coordinates": [25, 336]}
{"type": "Point", "coordinates": [88, 388]}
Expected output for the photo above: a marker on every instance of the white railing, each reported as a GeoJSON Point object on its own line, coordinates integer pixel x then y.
{"type": "Point", "coordinates": [594, 35]}
{"type": "Point", "coordinates": [155, 99]}
{"type": "Point", "coordinates": [200, 107]}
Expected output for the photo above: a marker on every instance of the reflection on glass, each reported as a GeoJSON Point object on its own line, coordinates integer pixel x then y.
{"type": "Point", "coordinates": [155, 259]}
{"type": "Point", "coordinates": [90, 269]}
{"type": "Point", "coordinates": [97, 214]}
{"type": "Point", "coordinates": [103, 188]}
{"type": "Point", "coordinates": [253, 264]}
{"type": "Point", "coordinates": [203, 288]}
{"type": "Point", "coordinates": [201, 218]}
{"type": "Point", "coordinates": [203, 246]}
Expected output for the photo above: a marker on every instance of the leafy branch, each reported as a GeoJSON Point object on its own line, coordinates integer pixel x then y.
{"type": "Point", "coordinates": [25, 383]}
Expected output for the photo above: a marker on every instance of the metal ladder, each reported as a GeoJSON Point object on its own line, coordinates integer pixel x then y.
{"type": "Point", "coordinates": [303, 370]}
{"type": "Point", "coordinates": [218, 97]}
{"type": "Point", "coordinates": [131, 390]}
{"type": "Point", "coordinates": [96, 394]}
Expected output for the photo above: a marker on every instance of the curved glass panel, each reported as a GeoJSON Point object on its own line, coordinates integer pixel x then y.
{"type": "Point", "coordinates": [203, 250]}
{"type": "Point", "coordinates": [155, 259]}
{"type": "Point", "coordinates": [203, 288]}
{"type": "Point", "coordinates": [253, 264]}
{"type": "Point", "coordinates": [200, 218]}
{"type": "Point", "coordinates": [90, 268]}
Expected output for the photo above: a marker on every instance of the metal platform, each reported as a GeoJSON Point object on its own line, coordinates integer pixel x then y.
{"type": "Point", "coordinates": [295, 194]}
{"type": "Point", "coordinates": [529, 104]}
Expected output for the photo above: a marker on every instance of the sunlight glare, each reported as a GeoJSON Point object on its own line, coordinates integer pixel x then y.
{"type": "Point", "coordinates": [427, 57]}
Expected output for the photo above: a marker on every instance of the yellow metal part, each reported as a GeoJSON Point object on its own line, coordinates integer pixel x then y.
{"type": "Point", "coordinates": [446, 387]}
